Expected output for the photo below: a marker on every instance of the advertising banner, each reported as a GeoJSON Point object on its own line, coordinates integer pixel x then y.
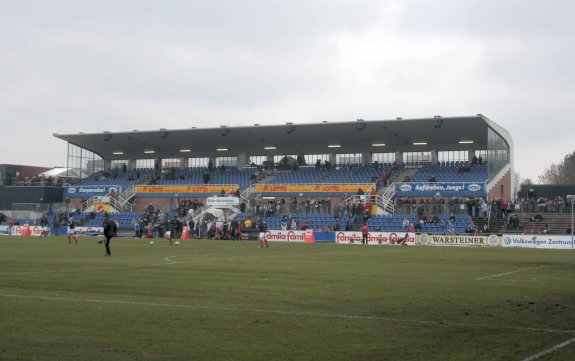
{"type": "Point", "coordinates": [102, 204]}
{"type": "Point", "coordinates": [537, 241]}
{"type": "Point", "coordinates": [36, 231]}
{"type": "Point", "coordinates": [440, 189]}
{"type": "Point", "coordinates": [33, 231]}
{"type": "Point", "coordinates": [91, 191]}
{"type": "Point", "coordinates": [186, 189]}
{"type": "Point", "coordinates": [89, 230]}
{"type": "Point", "coordinates": [374, 237]}
{"type": "Point", "coordinates": [491, 240]}
{"type": "Point", "coordinates": [286, 236]}
{"type": "Point", "coordinates": [222, 202]}
{"type": "Point", "coordinates": [310, 188]}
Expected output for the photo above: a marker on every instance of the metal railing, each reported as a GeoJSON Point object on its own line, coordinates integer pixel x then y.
{"type": "Point", "coordinates": [194, 215]}
{"type": "Point", "coordinates": [247, 195]}
{"type": "Point", "coordinates": [387, 203]}
{"type": "Point", "coordinates": [124, 198]}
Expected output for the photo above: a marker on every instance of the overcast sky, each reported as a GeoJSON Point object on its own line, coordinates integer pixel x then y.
{"type": "Point", "coordinates": [88, 66]}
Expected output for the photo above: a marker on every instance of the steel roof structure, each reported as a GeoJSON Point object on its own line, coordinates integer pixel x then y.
{"type": "Point", "coordinates": [378, 136]}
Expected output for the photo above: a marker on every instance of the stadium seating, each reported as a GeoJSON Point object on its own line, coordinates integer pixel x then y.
{"type": "Point", "coordinates": [182, 176]}
{"type": "Point", "coordinates": [394, 223]}
{"type": "Point", "coordinates": [450, 172]}
{"type": "Point", "coordinates": [346, 174]}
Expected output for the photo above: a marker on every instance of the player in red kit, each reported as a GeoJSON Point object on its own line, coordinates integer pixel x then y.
{"type": "Point", "coordinates": [364, 233]}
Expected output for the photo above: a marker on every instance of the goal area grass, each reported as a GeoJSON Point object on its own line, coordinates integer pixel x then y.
{"type": "Point", "coordinates": [227, 300]}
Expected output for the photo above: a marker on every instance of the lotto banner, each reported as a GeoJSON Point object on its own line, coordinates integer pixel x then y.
{"type": "Point", "coordinates": [373, 238]}
{"type": "Point", "coordinates": [310, 188]}
{"type": "Point", "coordinates": [186, 189]}
{"type": "Point", "coordinates": [538, 241]}
{"type": "Point", "coordinates": [425, 239]}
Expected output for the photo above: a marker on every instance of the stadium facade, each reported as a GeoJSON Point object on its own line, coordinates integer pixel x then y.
{"type": "Point", "coordinates": [413, 143]}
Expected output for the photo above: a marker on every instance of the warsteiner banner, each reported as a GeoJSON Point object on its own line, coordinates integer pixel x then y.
{"type": "Point", "coordinates": [491, 240]}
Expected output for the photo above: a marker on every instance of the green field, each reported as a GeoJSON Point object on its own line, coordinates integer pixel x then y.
{"type": "Point", "coordinates": [223, 300]}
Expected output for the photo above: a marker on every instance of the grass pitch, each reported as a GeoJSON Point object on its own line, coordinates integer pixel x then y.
{"type": "Point", "coordinates": [223, 300]}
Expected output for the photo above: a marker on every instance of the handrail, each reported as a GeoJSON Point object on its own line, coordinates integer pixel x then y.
{"type": "Point", "coordinates": [124, 198]}
{"type": "Point", "coordinates": [247, 193]}
{"type": "Point", "coordinates": [194, 214]}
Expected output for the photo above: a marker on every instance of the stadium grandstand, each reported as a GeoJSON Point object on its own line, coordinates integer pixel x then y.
{"type": "Point", "coordinates": [437, 175]}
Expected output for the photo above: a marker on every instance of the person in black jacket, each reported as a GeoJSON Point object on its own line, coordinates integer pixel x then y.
{"type": "Point", "coordinates": [110, 229]}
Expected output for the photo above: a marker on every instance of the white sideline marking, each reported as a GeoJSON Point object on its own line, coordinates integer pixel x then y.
{"type": "Point", "coordinates": [550, 350]}
{"type": "Point", "coordinates": [508, 273]}
{"type": "Point", "coordinates": [294, 313]}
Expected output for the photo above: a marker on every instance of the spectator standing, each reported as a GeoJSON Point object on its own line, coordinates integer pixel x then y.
{"type": "Point", "coordinates": [405, 223]}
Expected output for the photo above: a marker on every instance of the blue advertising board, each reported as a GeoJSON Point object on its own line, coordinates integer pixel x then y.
{"type": "Point", "coordinates": [454, 189]}
{"type": "Point", "coordinates": [91, 191]}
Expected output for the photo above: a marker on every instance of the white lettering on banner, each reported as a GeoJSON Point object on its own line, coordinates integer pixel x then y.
{"type": "Point", "coordinates": [373, 237]}
{"type": "Point", "coordinates": [537, 241]}
{"type": "Point", "coordinates": [440, 187]}
{"type": "Point", "coordinates": [458, 240]}
{"type": "Point", "coordinates": [94, 189]}
{"type": "Point", "coordinates": [286, 236]}
{"type": "Point", "coordinates": [223, 202]}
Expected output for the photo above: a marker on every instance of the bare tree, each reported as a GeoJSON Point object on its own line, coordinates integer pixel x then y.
{"type": "Point", "coordinates": [562, 173]}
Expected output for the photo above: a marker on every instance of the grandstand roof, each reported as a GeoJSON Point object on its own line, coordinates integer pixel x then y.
{"type": "Point", "coordinates": [440, 133]}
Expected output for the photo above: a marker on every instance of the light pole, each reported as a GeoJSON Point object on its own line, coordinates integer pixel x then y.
{"type": "Point", "coordinates": [571, 197]}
